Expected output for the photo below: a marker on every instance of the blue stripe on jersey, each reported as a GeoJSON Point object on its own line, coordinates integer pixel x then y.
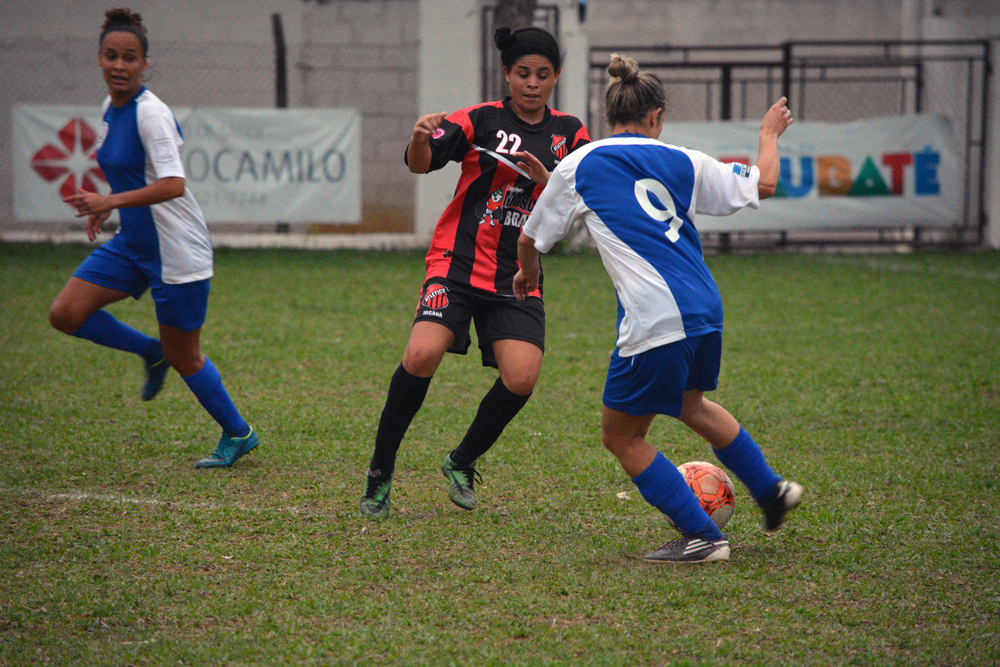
{"type": "Point", "coordinates": [122, 158]}
{"type": "Point", "coordinates": [606, 179]}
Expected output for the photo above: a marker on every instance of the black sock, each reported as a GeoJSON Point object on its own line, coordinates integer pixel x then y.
{"type": "Point", "coordinates": [498, 407]}
{"type": "Point", "coordinates": [406, 395]}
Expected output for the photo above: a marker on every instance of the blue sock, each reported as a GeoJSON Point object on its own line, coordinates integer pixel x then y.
{"type": "Point", "coordinates": [663, 487]}
{"type": "Point", "coordinates": [207, 387]}
{"type": "Point", "coordinates": [745, 459]}
{"type": "Point", "coordinates": [104, 329]}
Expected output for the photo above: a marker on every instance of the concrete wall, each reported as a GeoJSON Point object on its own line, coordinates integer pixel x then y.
{"type": "Point", "coordinates": [397, 59]}
{"type": "Point", "coordinates": [359, 54]}
{"type": "Point", "coordinates": [716, 22]}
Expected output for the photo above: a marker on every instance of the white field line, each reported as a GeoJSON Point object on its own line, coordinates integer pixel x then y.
{"type": "Point", "coordinates": [900, 267]}
{"type": "Point", "coordinates": [118, 499]}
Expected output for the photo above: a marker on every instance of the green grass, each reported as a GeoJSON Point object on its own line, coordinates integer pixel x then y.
{"type": "Point", "coordinates": [872, 380]}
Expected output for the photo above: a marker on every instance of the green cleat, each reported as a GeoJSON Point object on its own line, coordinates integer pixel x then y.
{"type": "Point", "coordinates": [375, 502]}
{"type": "Point", "coordinates": [156, 373]}
{"type": "Point", "coordinates": [461, 489]}
{"type": "Point", "coordinates": [229, 450]}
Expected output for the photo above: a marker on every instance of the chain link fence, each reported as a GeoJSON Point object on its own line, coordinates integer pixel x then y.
{"type": "Point", "coordinates": [836, 82]}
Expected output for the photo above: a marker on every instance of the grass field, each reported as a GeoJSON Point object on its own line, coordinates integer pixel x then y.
{"type": "Point", "coordinates": [872, 380]}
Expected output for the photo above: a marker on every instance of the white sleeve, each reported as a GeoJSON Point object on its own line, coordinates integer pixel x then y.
{"type": "Point", "coordinates": [723, 189]}
{"type": "Point", "coordinates": [553, 214]}
{"type": "Point", "coordinates": [162, 141]}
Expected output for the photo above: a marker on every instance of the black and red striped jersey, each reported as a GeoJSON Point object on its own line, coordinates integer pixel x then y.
{"type": "Point", "coordinates": [475, 240]}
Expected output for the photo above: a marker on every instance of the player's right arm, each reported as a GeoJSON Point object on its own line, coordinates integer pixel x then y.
{"type": "Point", "coordinates": [418, 153]}
{"type": "Point", "coordinates": [776, 121]}
{"type": "Point", "coordinates": [548, 223]}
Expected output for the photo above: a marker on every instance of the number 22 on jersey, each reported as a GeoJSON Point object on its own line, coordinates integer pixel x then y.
{"type": "Point", "coordinates": [513, 139]}
{"type": "Point", "coordinates": [650, 185]}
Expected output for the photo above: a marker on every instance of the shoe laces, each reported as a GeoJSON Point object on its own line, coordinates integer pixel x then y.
{"type": "Point", "coordinates": [471, 475]}
{"type": "Point", "coordinates": [374, 485]}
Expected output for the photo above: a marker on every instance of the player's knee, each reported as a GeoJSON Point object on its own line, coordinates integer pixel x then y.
{"type": "Point", "coordinates": [420, 362]}
{"type": "Point", "coordinates": [62, 318]}
{"type": "Point", "coordinates": [522, 385]}
{"type": "Point", "coordinates": [614, 442]}
{"type": "Point", "coordinates": [186, 362]}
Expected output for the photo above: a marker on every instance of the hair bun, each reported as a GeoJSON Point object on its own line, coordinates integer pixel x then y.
{"type": "Point", "coordinates": [625, 69]}
{"type": "Point", "coordinates": [503, 37]}
{"type": "Point", "coordinates": [122, 16]}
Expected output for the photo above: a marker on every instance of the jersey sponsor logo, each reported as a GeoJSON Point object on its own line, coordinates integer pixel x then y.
{"type": "Point", "coordinates": [436, 298]}
{"type": "Point", "coordinates": [431, 313]}
{"type": "Point", "coordinates": [438, 133]}
{"type": "Point", "coordinates": [558, 147]}
{"type": "Point", "coordinates": [741, 169]}
{"type": "Point", "coordinates": [508, 205]}
{"type": "Point", "coordinates": [73, 159]}
{"type": "Point", "coordinates": [493, 205]}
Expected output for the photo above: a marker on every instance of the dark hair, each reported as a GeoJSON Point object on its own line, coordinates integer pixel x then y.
{"type": "Point", "coordinates": [530, 41]}
{"type": "Point", "coordinates": [123, 19]}
{"type": "Point", "coordinates": [631, 94]}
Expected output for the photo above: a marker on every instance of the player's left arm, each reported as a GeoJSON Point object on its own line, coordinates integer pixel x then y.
{"type": "Point", "coordinates": [94, 204]}
{"type": "Point", "coordinates": [160, 139]}
{"type": "Point", "coordinates": [776, 121]}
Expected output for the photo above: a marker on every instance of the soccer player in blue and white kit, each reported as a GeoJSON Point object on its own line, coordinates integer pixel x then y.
{"type": "Point", "coordinates": [638, 198]}
{"type": "Point", "coordinates": [162, 243]}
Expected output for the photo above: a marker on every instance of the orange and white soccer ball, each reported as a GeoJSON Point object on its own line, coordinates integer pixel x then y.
{"type": "Point", "coordinates": [713, 489]}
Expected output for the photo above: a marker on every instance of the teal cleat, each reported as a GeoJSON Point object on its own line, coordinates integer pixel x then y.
{"type": "Point", "coordinates": [156, 373]}
{"type": "Point", "coordinates": [375, 502]}
{"type": "Point", "coordinates": [229, 450]}
{"type": "Point", "coordinates": [461, 488]}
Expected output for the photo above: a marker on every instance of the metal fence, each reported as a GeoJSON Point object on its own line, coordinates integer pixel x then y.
{"type": "Point", "coordinates": [831, 82]}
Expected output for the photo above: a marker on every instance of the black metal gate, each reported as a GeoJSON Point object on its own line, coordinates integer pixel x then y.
{"type": "Point", "coordinates": [831, 82]}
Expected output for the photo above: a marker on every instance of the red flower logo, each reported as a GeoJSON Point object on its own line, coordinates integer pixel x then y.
{"type": "Point", "coordinates": [76, 159]}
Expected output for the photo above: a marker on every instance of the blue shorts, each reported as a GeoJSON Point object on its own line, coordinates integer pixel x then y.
{"type": "Point", "coordinates": [654, 382]}
{"type": "Point", "coordinates": [181, 306]}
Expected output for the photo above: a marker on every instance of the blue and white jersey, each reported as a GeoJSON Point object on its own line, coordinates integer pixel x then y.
{"type": "Point", "coordinates": [141, 143]}
{"type": "Point", "coordinates": [638, 197]}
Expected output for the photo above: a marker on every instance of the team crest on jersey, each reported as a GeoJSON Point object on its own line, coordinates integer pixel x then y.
{"type": "Point", "coordinates": [559, 146]}
{"type": "Point", "coordinates": [436, 297]}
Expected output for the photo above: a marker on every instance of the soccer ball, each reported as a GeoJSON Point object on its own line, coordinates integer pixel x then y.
{"type": "Point", "coordinates": [713, 489]}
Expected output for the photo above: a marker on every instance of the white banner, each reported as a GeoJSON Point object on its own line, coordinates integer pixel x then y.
{"type": "Point", "coordinates": [887, 172]}
{"type": "Point", "coordinates": [243, 165]}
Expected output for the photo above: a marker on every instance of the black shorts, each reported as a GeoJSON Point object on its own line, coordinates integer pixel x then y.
{"type": "Point", "coordinates": [497, 317]}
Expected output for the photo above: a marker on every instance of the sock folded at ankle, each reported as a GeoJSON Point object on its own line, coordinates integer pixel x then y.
{"type": "Point", "coordinates": [663, 487]}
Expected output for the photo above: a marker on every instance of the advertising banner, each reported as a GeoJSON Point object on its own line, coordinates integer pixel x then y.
{"type": "Point", "coordinates": [886, 172]}
{"type": "Point", "coordinates": [243, 165]}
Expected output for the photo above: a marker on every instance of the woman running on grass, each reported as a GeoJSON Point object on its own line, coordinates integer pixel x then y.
{"type": "Point", "coordinates": [638, 197]}
{"type": "Point", "coordinates": [162, 243]}
{"type": "Point", "coordinates": [506, 150]}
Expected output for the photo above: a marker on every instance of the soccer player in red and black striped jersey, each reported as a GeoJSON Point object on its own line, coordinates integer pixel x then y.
{"type": "Point", "coordinates": [506, 150]}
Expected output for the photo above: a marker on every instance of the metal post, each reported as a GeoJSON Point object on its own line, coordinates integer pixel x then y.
{"type": "Point", "coordinates": [280, 64]}
{"type": "Point", "coordinates": [725, 99]}
{"type": "Point", "coordinates": [786, 71]}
